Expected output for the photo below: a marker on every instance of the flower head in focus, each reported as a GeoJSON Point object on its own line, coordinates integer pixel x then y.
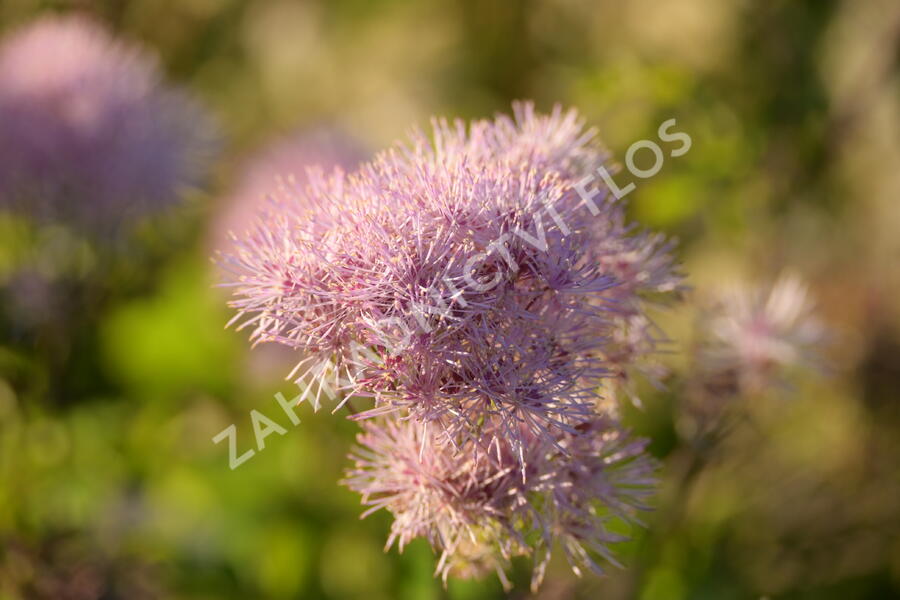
{"type": "Point", "coordinates": [469, 267]}
{"type": "Point", "coordinates": [460, 503]}
{"type": "Point", "coordinates": [478, 510]}
{"type": "Point", "coordinates": [91, 135]}
{"type": "Point", "coordinates": [266, 180]}
{"type": "Point", "coordinates": [461, 283]}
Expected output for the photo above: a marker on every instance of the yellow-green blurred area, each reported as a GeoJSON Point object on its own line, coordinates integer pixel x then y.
{"type": "Point", "coordinates": [110, 480]}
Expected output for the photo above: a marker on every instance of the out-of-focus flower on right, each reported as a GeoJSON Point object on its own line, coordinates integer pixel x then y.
{"type": "Point", "coordinates": [753, 337]}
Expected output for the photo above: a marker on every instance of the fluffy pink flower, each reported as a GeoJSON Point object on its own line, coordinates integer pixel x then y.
{"type": "Point", "coordinates": [600, 475]}
{"type": "Point", "coordinates": [479, 510]}
{"type": "Point", "coordinates": [459, 502]}
{"type": "Point", "coordinates": [461, 282]}
{"type": "Point", "coordinates": [90, 134]}
{"type": "Point", "coordinates": [469, 269]}
{"type": "Point", "coordinates": [266, 180]}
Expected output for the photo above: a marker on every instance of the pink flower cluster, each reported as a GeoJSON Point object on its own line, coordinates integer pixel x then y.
{"type": "Point", "coordinates": [462, 284]}
{"type": "Point", "coordinates": [480, 511]}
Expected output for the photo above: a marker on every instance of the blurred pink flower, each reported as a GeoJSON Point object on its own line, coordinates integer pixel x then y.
{"type": "Point", "coordinates": [90, 134]}
{"type": "Point", "coordinates": [753, 336]}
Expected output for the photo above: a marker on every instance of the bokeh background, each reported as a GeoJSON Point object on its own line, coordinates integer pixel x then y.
{"type": "Point", "coordinates": [110, 485]}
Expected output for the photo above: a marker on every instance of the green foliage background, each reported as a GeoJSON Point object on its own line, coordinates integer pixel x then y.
{"type": "Point", "coordinates": [107, 468]}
